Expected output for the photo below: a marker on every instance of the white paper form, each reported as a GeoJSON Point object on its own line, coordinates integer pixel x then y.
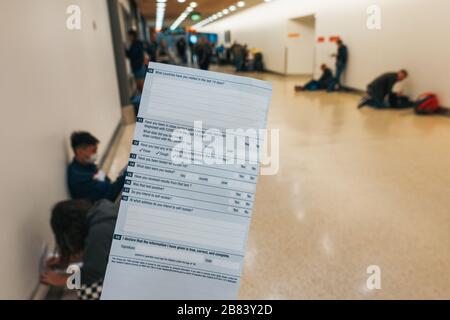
{"type": "Point", "coordinates": [182, 227]}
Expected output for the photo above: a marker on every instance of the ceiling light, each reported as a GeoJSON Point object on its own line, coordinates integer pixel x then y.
{"type": "Point", "coordinates": [183, 15]}
{"type": "Point", "coordinates": [160, 12]}
{"type": "Point", "coordinates": [220, 14]}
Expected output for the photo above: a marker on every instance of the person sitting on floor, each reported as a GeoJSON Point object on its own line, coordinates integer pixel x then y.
{"type": "Point", "coordinates": [85, 179]}
{"type": "Point", "coordinates": [83, 232]}
{"type": "Point", "coordinates": [379, 90]}
{"type": "Point", "coordinates": [323, 83]}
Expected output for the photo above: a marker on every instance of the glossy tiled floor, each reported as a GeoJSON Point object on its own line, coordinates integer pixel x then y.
{"type": "Point", "coordinates": [354, 189]}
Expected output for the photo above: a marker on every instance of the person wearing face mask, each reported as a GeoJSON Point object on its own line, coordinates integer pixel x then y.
{"type": "Point", "coordinates": [85, 179]}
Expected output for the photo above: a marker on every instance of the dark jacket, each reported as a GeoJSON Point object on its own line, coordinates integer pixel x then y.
{"type": "Point", "coordinates": [204, 55]}
{"type": "Point", "coordinates": [151, 49]}
{"type": "Point", "coordinates": [83, 186]}
{"type": "Point", "coordinates": [382, 86]}
{"type": "Point", "coordinates": [100, 221]}
{"type": "Point", "coordinates": [327, 76]}
{"type": "Point", "coordinates": [342, 55]}
{"type": "Point", "coordinates": [136, 55]}
{"type": "Point", "coordinates": [181, 47]}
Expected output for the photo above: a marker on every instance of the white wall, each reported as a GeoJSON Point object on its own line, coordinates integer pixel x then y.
{"type": "Point", "coordinates": [52, 81]}
{"type": "Point", "coordinates": [414, 36]}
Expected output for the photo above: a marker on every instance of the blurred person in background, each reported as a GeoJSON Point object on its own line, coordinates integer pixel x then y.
{"type": "Point", "coordinates": [136, 55]}
{"type": "Point", "coordinates": [181, 49]}
{"type": "Point", "coordinates": [152, 47]}
{"type": "Point", "coordinates": [381, 89]}
{"type": "Point", "coordinates": [323, 83]}
{"type": "Point", "coordinates": [341, 62]}
{"type": "Point", "coordinates": [244, 55]}
{"type": "Point", "coordinates": [236, 51]}
{"type": "Point", "coordinates": [163, 54]}
{"type": "Point", "coordinates": [83, 233]}
{"type": "Point", "coordinates": [204, 53]}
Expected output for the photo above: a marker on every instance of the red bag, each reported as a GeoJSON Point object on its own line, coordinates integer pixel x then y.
{"type": "Point", "coordinates": [427, 103]}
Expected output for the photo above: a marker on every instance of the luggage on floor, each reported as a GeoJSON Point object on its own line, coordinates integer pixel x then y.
{"type": "Point", "coordinates": [427, 103]}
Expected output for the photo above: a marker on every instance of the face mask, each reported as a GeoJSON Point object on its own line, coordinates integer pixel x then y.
{"type": "Point", "coordinates": [100, 176]}
{"type": "Point", "coordinates": [92, 159]}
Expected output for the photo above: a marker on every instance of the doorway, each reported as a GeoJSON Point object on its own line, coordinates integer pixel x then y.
{"type": "Point", "coordinates": [300, 48]}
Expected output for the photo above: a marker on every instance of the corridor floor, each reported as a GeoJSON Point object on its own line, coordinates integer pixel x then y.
{"type": "Point", "coordinates": [354, 189]}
